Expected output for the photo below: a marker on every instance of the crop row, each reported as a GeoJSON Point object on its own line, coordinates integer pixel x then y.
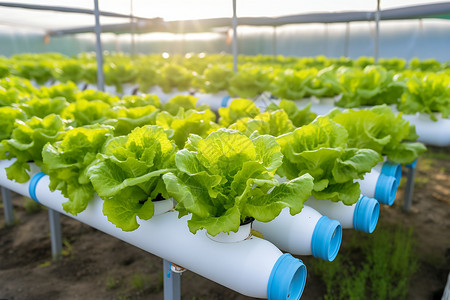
{"type": "Point", "coordinates": [420, 86]}
{"type": "Point", "coordinates": [221, 169]}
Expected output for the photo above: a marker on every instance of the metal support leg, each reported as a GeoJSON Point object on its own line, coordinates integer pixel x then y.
{"type": "Point", "coordinates": [409, 189]}
{"type": "Point", "coordinates": [235, 41]}
{"type": "Point", "coordinates": [7, 206]}
{"type": "Point", "coordinates": [55, 233]}
{"type": "Point", "coordinates": [98, 49]}
{"type": "Point", "coordinates": [172, 282]}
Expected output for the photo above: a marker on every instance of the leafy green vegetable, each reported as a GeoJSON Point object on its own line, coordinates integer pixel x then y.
{"type": "Point", "coordinates": [67, 161]}
{"type": "Point", "coordinates": [83, 112]}
{"type": "Point", "coordinates": [238, 109]}
{"type": "Point", "coordinates": [42, 107]}
{"type": "Point", "coordinates": [428, 94]}
{"type": "Point", "coordinates": [371, 86]}
{"type": "Point", "coordinates": [188, 122]}
{"type": "Point", "coordinates": [67, 90]}
{"type": "Point", "coordinates": [130, 101]}
{"type": "Point", "coordinates": [381, 130]}
{"type": "Point", "coordinates": [92, 95]}
{"type": "Point", "coordinates": [227, 177]}
{"type": "Point", "coordinates": [8, 116]}
{"type": "Point", "coordinates": [185, 102]}
{"type": "Point", "coordinates": [216, 78]}
{"type": "Point", "coordinates": [249, 82]}
{"type": "Point", "coordinates": [174, 76]}
{"type": "Point", "coordinates": [26, 143]}
{"type": "Point", "coordinates": [320, 149]}
{"type": "Point", "coordinates": [127, 175]}
{"type": "Point", "coordinates": [126, 119]}
{"type": "Point", "coordinates": [298, 117]}
{"type": "Point", "coordinates": [273, 123]}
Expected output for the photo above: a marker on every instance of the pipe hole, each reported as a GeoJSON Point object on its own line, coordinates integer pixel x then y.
{"type": "Point", "coordinates": [374, 217]}
{"type": "Point", "coordinates": [335, 243]}
{"type": "Point", "coordinates": [297, 283]}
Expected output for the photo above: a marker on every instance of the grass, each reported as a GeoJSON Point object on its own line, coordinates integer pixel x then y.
{"type": "Point", "coordinates": [376, 267]}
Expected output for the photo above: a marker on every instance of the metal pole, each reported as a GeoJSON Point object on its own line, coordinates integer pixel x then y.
{"type": "Point", "coordinates": [274, 40]}
{"type": "Point", "coordinates": [55, 233]}
{"type": "Point", "coordinates": [133, 29]}
{"type": "Point", "coordinates": [347, 39]}
{"type": "Point", "coordinates": [172, 282]}
{"type": "Point", "coordinates": [234, 45]}
{"type": "Point", "coordinates": [7, 206]}
{"type": "Point", "coordinates": [326, 39]}
{"type": "Point", "coordinates": [377, 32]}
{"type": "Point", "coordinates": [409, 189]}
{"type": "Point", "coordinates": [98, 49]}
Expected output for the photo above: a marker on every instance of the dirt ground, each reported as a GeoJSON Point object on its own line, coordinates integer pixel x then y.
{"type": "Point", "coordinates": [97, 266]}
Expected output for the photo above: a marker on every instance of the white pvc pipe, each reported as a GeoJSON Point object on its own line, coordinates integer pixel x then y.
{"type": "Point", "coordinates": [362, 216]}
{"type": "Point", "coordinates": [430, 132]}
{"type": "Point", "coordinates": [215, 101]}
{"type": "Point", "coordinates": [20, 188]}
{"type": "Point", "coordinates": [165, 97]}
{"type": "Point", "coordinates": [379, 185]}
{"type": "Point", "coordinates": [303, 234]}
{"type": "Point", "coordinates": [253, 267]}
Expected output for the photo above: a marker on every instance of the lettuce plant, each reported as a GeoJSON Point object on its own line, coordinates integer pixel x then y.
{"type": "Point", "coordinates": [67, 161]}
{"type": "Point", "coordinates": [42, 107]}
{"type": "Point", "coordinates": [226, 178]}
{"type": "Point", "coordinates": [249, 82]}
{"type": "Point", "coordinates": [320, 149]}
{"type": "Point", "coordinates": [126, 119]}
{"type": "Point", "coordinates": [26, 143]}
{"type": "Point", "coordinates": [8, 116]}
{"type": "Point", "coordinates": [127, 174]}
{"type": "Point", "coordinates": [187, 122]}
{"type": "Point", "coordinates": [238, 109]}
{"type": "Point", "coordinates": [273, 123]}
{"type": "Point", "coordinates": [427, 94]}
{"type": "Point", "coordinates": [381, 130]}
{"type": "Point", "coordinates": [298, 117]}
{"type": "Point", "coordinates": [83, 112]}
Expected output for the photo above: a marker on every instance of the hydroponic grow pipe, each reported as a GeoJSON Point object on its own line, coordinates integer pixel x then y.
{"type": "Point", "coordinates": [362, 216]}
{"type": "Point", "coordinates": [380, 184]}
{"type": "Point", "coordinates": [305, 233]}
{"type": "Point", "coordinates": [253, 267]}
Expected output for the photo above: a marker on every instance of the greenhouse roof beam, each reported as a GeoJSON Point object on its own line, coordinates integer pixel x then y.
{"type": "Point", "coordinates": [66, 10]}
{"type": "Point", "coordinates": [437, 10]}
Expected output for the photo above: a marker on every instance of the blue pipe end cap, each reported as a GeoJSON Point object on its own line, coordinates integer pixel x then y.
{"type": "Point", "coordinates": [224, 102]}
{"type": "Point", "coordinates": [326, 239]}
{"type": "Point", "coordinates": [393, 170]}
{"type": "Point", "coordinates": [386, 189]}
{"type": "Point", "coordinates": [287, 279]}
{"type": "Point", "coordinates": [365, 216]}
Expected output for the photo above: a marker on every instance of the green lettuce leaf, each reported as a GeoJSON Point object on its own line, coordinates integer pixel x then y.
{"type": "Point", "coordinates": [227, 177]}
{"type": "Point", "coordinates": [27, 141]}
{"type": "Point", "coordinates": [127, 174]}
{"type": "Point", "coordinates": [320, 149]}
{"type": "Point", "coordinates": [238, 109]}
{"type": "Point", "coordinates": [67, 161]}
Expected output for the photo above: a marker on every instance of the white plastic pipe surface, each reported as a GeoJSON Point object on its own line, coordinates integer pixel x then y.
{"type": "Point", "coordinates": [334, 210]}
{"type": "Point", "coordinates": [369, 183]}
{"type": "Point", "coordinates": [20, 188]}
{"type": "Point", "coordinates": [291, 233]}
{"type": "Point", "coordinates": [362, 216]}
{"type": "Point", "coordinates": [243, 266]}
{"type": "Point", "coordinates": [430, 132]}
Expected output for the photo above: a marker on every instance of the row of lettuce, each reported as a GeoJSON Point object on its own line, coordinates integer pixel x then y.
{"type": "Point", "coordinates": [222, 169]}
{"type": "Point", "coordinates": [419, 86]}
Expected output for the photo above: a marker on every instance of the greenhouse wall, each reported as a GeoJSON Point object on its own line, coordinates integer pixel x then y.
{"type": "Point", "coordinates": [426, 38]}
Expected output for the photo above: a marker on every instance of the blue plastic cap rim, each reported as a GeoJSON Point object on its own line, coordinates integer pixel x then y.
{"type": "Point", "coordinates": [365, 216]}
{"type": "Point", "coordinates": [32, 187]}
{"type": "Point", "coordinates": [225, 101]}
{"type": "Point", "coordinates": [412, 165]}
{"type": "Point", "coordinates": [287, 279]}
{"type": "Point", "coordinates": [392, 169]}
{"type": "Point", "coordinates": [386, 189]}
{"type": "Point", "coordinates": [326, 239]}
